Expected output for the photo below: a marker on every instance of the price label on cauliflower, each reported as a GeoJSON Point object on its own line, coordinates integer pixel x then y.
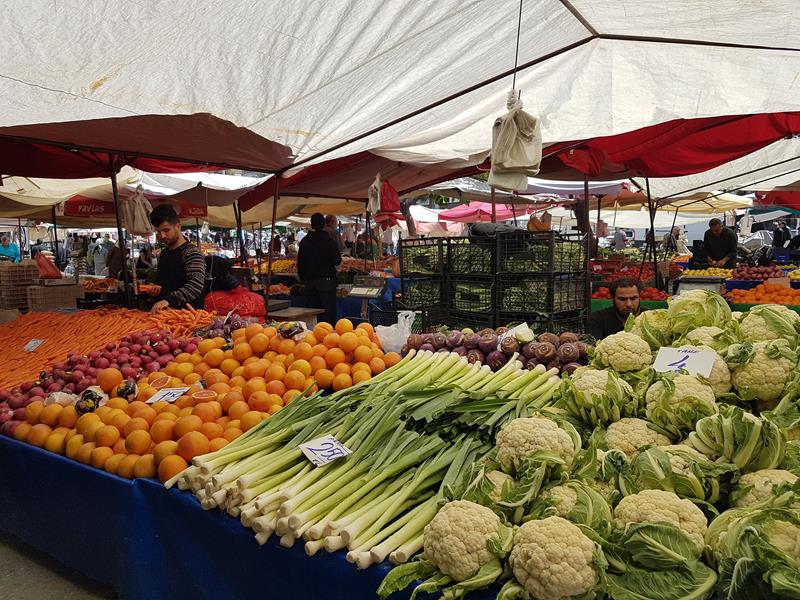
{"type": "Point", "coordinates": [323, 450]}
{"type": "Point", "coordinates": [167, 395]}
{"type": "Point", "coordinates": [686, 358]}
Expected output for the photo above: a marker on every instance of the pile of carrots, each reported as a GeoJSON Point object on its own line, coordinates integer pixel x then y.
{"type": "Point", "coordinates": [766, 293]}
{"type": "Point", "coordinates": [81, 333]}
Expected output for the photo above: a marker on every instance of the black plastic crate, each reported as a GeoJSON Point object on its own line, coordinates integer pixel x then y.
{"type": "Point", "coordinates": [551, 252]}
{"type": "Point", "coordinates": [382, 312]}
{"type": "Point", "coordinates": [540, 294]}
{"type": "Point", "coordinates": [471, 255]}
{"type": "Point", "coordinates": [476, 321]}
{"type": "Point", "coordinates": [421, 292]}
{"type": "Point", "coordinates": [574, 321]}
{"type": "Point", "coordinates": [472, 294]}
{"type": "Point", "coordinates": [425, 256]}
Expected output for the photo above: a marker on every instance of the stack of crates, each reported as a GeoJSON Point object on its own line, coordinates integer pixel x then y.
{"type": "Point", "coordinates": [14, 280]}
{"type": "Point", "coordinates": [51, 297]}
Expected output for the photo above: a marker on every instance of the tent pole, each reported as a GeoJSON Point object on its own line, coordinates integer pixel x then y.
{"type": "Point", "coordinates": [588, 285]}
{"type": "Point", "coordinates": [197, 227]}
{"type": "Point", "coordinates": [242, 251]}
{"type": "Point", "coordinates": [120, 239]}
{"type": "Point", "coordinates": [275, 198]}
{"type": "Point", "coordinates": [597, 225]}
{"type": "Point", "coordinates": [652, 211]}
{"type": "Point", "coordinates": [514, 212]}
{"type": "Point", "coordinates": [255, 248]}
{"type": "Point", "coordinates": [494, 207]}
{"type": "Point", "coordinates": [19, 229]}
{"type": "Point", "coordinates": [55, 240]}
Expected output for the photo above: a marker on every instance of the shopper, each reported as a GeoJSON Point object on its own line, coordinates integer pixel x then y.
{"type": "Point", "coordinates": [146, 260]}
{"type": "Point", "coordinates": [611, 320]}
{"type": "Point", "coordinates": [620, 240]}
{"type": "Point", "coordinates": [114, 263]}
{"type": "Point", "coordinates": [720, 244]}
{"type": "Point", "coordinates": [275, 245]}
{"type": "Point", "coordinates": [671, 240]}
{"type": "Point", "coordinates": [99, 253]}
{"type": "Point", "coordinates": [181, 266]}
{"type": "Point", "coordinates": [332, 227]}
{"type": "Point", "coordinates": [781, 235]}
{"type": "Point", "coordinates": [317, 260]}
{"type": "Point", "coordinates": [8, 249]}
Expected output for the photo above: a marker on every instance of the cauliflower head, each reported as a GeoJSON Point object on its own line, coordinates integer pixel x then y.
{"type": "Point", "coordinates": [658, 506]}
{"type": "Point", "coordinates": [697, 308]}
{"type": "Point", "coordinates": [630, 434]}
{"type": "Point", "coordinates": [455, 541]}
{"type": "Point", "coordinates": [677, 403]}
{"type": "Point", "coordinates": [758, 486]}
{"type": "Point", "coordinates": [521, 438]}
{"type": "Point", "coordinates": [499, 480]}
{"type": "Point", "coordinates": [653, 327]}
{"type": "Point", "coordinates": [762, 369]}
{"type": "Point", "coordinates": [785, 536]}
{"type": "Point", "coordinates": [623, 352]}
{"type": "Point", "coordinates": [720, 377]}
{"type": "Point", "coordinates": [770, 322]}
{"type": "Point", "coordinates": [563, 498]}
{"type": "Point", "coordinates": [703, 336]}
{"type": "Point", "coordinates": [553, 560]}
{"type": "Point", "coordinates": [597, 396]}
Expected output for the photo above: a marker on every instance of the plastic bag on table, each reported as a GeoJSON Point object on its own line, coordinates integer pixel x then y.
{"type": "Point", "coordinates": [239, 300]}
{"type": "Point", "coordinates": [394, 336]}
{"type": "Point", "coordinates": [47, 270]}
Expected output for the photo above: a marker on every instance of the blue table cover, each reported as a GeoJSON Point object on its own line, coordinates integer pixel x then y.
{"type": "Point", "coordinates": [147, 542]}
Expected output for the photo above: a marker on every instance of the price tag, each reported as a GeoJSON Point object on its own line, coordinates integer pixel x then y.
{"type": "Point", "coordinates": [33, 344]}
{"type": "Point", "coordinates": [688, 358]}
{"type": "Point", "coordinates": [782, 281]}
{"type": "Point", "coordinates": [167, 395]}
{"type": "Point", "coordinates": [323, 450]}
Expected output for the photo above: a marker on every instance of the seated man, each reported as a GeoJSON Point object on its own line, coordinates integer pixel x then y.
{"type": "Point", "coordinates": [625, 296]}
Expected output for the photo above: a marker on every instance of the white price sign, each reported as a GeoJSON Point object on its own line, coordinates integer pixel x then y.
{"type": "Point", "coordinates": [33, 345]}
{"type": "Point", "coordinates": [687, 358]}
{"type": "Point", "coordinates": [323, 450]}
{"type": "Point", "coordinates": [167, 395]}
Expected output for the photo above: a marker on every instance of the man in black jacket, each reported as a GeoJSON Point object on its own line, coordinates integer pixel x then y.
{"type": "Point", "coordinates": [720, 243]}
{"type": "Point", "coordinates": [611, 320]}
{"type": "Point", "coordinates": [317, 258]}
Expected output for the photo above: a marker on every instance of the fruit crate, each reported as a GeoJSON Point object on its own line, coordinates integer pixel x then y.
{"type": "Point", "coordinates": [540, 294]}
{"type": "Point", "coordinates": [422, 256]}
{"type": "Point", "coordinates": [549, 252]}
{"type": "Point", "coordinates": [471, 294]}
{"type": "Point", "coordinates": [574, 321]}
{"type": "Point", "coordinates": [421, 292]}
{"type": "Point", "coordinates": [49, 297]}
{"type": "Point", "coordinates": [471, 255]}
{"type": "Point", "coordinates": [476, 321]}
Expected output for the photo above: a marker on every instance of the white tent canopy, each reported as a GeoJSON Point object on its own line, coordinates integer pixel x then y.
{"type": "Point", "coordinates": [316, 74]}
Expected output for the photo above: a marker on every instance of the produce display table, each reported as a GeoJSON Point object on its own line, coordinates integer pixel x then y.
{"type": "Point", "coordinates": [147, 542]}
{"type": "Point", "coordinates": [600, 304]}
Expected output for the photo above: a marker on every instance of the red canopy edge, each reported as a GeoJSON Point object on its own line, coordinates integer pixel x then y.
{"type": "Point", "coordinates": [779, 198]}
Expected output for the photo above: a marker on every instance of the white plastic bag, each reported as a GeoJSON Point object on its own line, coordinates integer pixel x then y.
{"type": "Point", "coordinates": [394, 336]}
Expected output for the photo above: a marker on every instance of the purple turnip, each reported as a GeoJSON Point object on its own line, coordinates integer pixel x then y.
{"type": "Point", "coordinates": [531, 364]}
{"type": "Point", "coordinates": [570, 367]}
{"type": "Point", "coordinates": [486, 330]}
{"type": "Point", "coordinates": [496, 360]}
{"type": "Point", "coordinates": [460, 350]}
{"type": "Point", "coordinates": [568, 352]}
{"type": "Point", "coordinates": [544, 352]}
{"type": "Point", "coordinates": [427, 338]}
{"type": "Point", "coordinates": [554, 364]}
{"type": "Point", "coordinates": [405, 350]}
{"type": "Point", "coordinates": [471, 340]}
{"type": "Point", "coordinates": [509, 345]}
{"type": "Point", "coordinates": [501, 330]}
{"type": "Point", "coordinates": [428, 347]}
{"type": "Point", "coordinates": [568, 338]}
{"type": "Point", "coordinates": [551, 338]}
{"type": "Point", "coordinates": [454, 339]}
{"type": "Point", "coordinates": [488, 343]}
{"type": "Point", "coordinates": [583, 350]}
{"type": "Point", "coordinates": [439, 340]}
{"type": "Point", "coordinates": [528, 350]}
{"type": "Point", "coordinates": [475, 356]}
{"type": "Point", "coordinates": [415, 340]}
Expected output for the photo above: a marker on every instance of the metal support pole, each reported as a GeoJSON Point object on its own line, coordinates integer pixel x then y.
{"type": "Point", "coordinates": [587, 274]}
{"type": "Point", "coordinates": [652, 211]}
{"type": "Point", "coordinates": [275, 197]}
{"type": "Point", "coordinates": [256, 251]}
{"type": "Point", "coordinates": [120, 239]}
{"type": "Point", "coordinates": [55, 240]}
{"type": "Point", "coordinates": [21, 241]}
{"type": "Point", "coordinates": [197, 227]}
{"type": "Point", "coordinates": [494, 207]}
{"type": "Point", "coordinates": [242, 251]}
{"type": "Point", "coordinates": [597, 225]}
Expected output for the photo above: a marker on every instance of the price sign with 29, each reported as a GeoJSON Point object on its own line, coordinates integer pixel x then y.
{"type": "Point", "coordinates": [323, 450]}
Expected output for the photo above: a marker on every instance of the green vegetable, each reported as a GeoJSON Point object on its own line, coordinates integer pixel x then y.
{"type": "Point", "coordinates": [653, 326]}
{"type": "Point", "coordinates": [597, 396]}
{"type": "Point", "coordinates": [575, 501]}
{"type": "Point", "coordinates": [697, 308]}
{"type": "Point", "coordinates": [677, 401]}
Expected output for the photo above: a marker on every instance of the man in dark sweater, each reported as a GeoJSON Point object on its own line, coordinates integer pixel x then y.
{"type": "Point", "coordinates": [181, 266]}
{"type": "Point", "coordinates": [720, 244]}
{"type": "Point", "coordinates": [317, 259]}
{"type": "Point", "coordinates": [611, 320]}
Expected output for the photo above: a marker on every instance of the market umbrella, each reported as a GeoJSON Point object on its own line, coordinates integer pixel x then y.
{"type": "Point", "coordinates": [476, 212]}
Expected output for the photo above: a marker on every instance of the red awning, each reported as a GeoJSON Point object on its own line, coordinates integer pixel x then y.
{"type": "Point", "coordinates": [155, 143]}
{"type": "Point", "coordinates": [779, 199]}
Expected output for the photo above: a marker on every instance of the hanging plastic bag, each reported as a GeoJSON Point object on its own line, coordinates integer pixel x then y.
{"type": "Point", "coordinates": [374, 196]}
{"type": "Point", "coordinates": [393, 337]}
{"type": "Point", "coordinates": [241, 301]}
{"type": "Point", "coordinates": [47, 270]}
{"type": "Point", "coordinates": [516, 148]}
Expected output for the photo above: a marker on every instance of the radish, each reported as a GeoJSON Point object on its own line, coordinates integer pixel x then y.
{"type": "Point", "coordinates": [35, 398]}
{"type": "Point", "coordinates": [54, 387]}
{"type": "Point", "coordinates": [129, 372]}
{"type": "Point", "coordinates": [155, 338]}
{"type": "Point", "coordinates": [173, 345]}
{"type": "Point", "coordinates": [102, 363]}
{"type": "Point", "coordinates": [83, 384]}
{"type": "Point", "coordinates": [76, 376]}
{"type": "Point", "coordinates": [136, 348]}
{"type": "Point", "coordinates": [110, 346]}
{"type": "Point", "coordinates": [190, 348]}
{"type": "Point", "coordinates": [36, 391]}
{"type": "Point", "coordinates": [4, 395]}
{"type": "Point", "coordinates": [108, 356]}
{"type": "Point", "coordinates": [24, 387]}
{"type": "Point", "coordinates": [163, 349]}
{"type": "Point", "coordinates": [153, 354]}
{"type": "Point", "coordinates": [164, 360]}
{"type": "Point", "coordinates": [16, 402]}
{"type": "Point", "coordinates": [19, 414]}
{"type": "Point", "coordinates": [94, 355]}
{"type": "Point", "coordinates": [152, 367]}
{"type": "Point", "coordinates": [69, 388]}
{"type": "Point", "coordinates": [92, 371]}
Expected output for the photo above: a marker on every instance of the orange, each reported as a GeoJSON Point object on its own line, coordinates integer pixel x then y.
{"type": "Point", "coordinates": [192, 378]}
{"type": "Point", "coordinates": [220, 341]}
{"type": "Point", "coordinates": [331, 340]}
{"type": "Point", "coordinates": [22, 431]}
{"type": "Point", "coordinates": [361, 375]}
{"type": "Point", "coordinates": [295, 380]}
{"type": "Point", "coordinates": [259, 343]}
{"type": "Point", "coordinates": [73, 445]}
{"type": "Point", "coordinates": [220, 388]}
{"type": "Point", "coordinates": [334, 356]}
{"type": "Point", "coordinates": [183, 370]}
{"type": "Point", "coordinates": [259, 401]}
{"type": "Point", "coordinates": [55, 443]}
{"type": "Point", "coordinates": [170, 467]}
{"type": "Point", "coordinates": [145, 466]}
{"type": "Point", "coordinates": [149, 414]}
{"type": "Point", "coordinates": [237, 409]}
{"type": "Point", "coordinates": [255, 369]}
{"type": "Point", "coordinates": [33, 410]}
{"type": "Point", "coordinates": [239, 334]}
{"type": "Point", "coordinates": [242, 351]}
{"type": "Point", "coordinates": [391, 359]}
{"type": "Point", "coordinates": [217, 443]}
{"type": "Point", "coordinates": [101, 412]}
{"type": "Point", "coordinates": [201, 368]}
{"type": "Point", "coordinates": [324, 378]}
{"type": "Point", "coordinates": [276, 387]}
{"type": "Point", "coordinates": [192, 444]}
{"type": "Point", "coordinates": [344, 326]}
{"type": "Point", "coordinates": [253, 330]}
{"type": "Point", "coordinates": [310, 339]}
{"type": "Point", "coordinates": [317, 363]}
{"type": "Point", "coordinates": [237, 382]}
{"type": "Point", "coordinates": [164, 449]}
{"type": "Point", "coordinates": [112, 463]}
{"type": "Point", "coordinates": [322, 329]}
{"type": "Point", "coordinates": [239, 371]}
{"type": "Point", "coordinates": [186, 424]}
{"type": "Point", "coordinates": [183, 357]}
{"type": "Point", "coordinates": [99, 456]}
{"type": "Point", "coordinates": [135, 424]}
{"type": "Point", "coordinates": [49, 414]}
{"type": "Point", "coordinates": [106, 436]}
{"type": "Point", "coordinates": [138, 441]}
{"type": "Point", "coordinates": [257, 384]}
{"type": "Point", "coordinates": [144, 392]}
{"type": "Point", "coordinates": [162, 430]}
{"type": "Point", "coordinates": [84, 421]}
{"type": "Point", "coordinates": [289, 396]}
{"type": "Point", "coordinates": [229, 366]}
{"type": "Point", "coordinates": [164, 416]}
{"type": "Point", "coordinates": [125, 467]}
{"type": "Point", "coordinates": [120, 421]}
{"type": "Point", "coordinates": [274, 408]}
{"type": "Point", "coordinates": [319, 350]}
{"type": "Point", "coordinates": [341, 382]}
{"type": "Point", "coordinates": [229, 398]}
{"type": "Point", "coordinates": [92, 430]}
{"type": "Point", "coordinates": [286, 346]}
{"type": "Point", "coordinates": [303, 351]}
{"type": "Point", "coordinates": [362, 354]}
{"type": "Point", "coordinates": [215, 376]}
{"type": "Point", "coordinates": [211, 430]}
{"type": "Point", "coordinates": [250, 419]}
{"type": "Point", "coordinates": [119, 447]}
{"type": "Point", "coordinates": [348, 341]}
{"type": "Point", "coordinates": [170, 369]}
{"type": "Point", "coordinates": [274, 343]}
{"type": "Point", "coordinates": [301, 365]}
{"type": "Point", "coordinates": [120, 403]}
{"type": "Point", "coordinates": [84, 454]}
{"type": "Point", "coordinates": [367, 327]}
{"type": "Point", "coordinates": [361, 365]}
{"type": "Point", "coordinates": [136, 406]}
{"type": "Point", "coordinates": [223, 421]}
{"type": "Point", "coordinates": [276, 372]}
{"type": "Point", "coordinates": [214, 357]}
{"type": "Point", "coordinates": [232, 423]}
{"type": "Point", "coordinates": [377, 366]}
{"type": "Point", "coordinates": [205, 412]}
{"type": "Point", "coordinates": [232, 433]}
{"type": "Point", "coordinates": [108, 379]}
{"type": "Point", "coordinates": [280, 359]}
{"type": "Point", "coordinates": [341, 368]}
{"type": "Point", "coordinates": [171, 409]}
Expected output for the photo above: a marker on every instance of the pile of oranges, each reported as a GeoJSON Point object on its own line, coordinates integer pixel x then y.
{"type": "Point", "coordinates": [766, 293]}
{"type": "Point", "coordinates": [232, 387]}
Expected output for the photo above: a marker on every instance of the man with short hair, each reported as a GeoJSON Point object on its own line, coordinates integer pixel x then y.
{"type": "Point", "coordinates": [781, 235]}
{"type": "Point", "coordinates": [8, 249]}
{"type": "Point", "coordinates": [720, 244]}
{"type": "Point", "coordinates": [317, 259]}
{"type": "Point", "coordinates": [611, 320]}
{"type": "Point", "coordinates": [332, 227]}
{"type": "Point", "coordinates": [181, 266]}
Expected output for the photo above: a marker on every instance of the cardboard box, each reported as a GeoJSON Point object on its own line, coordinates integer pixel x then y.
{"type": "Point", "coordinates": [8, 315]}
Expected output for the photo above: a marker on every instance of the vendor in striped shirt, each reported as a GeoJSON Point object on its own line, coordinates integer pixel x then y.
{"type": "Point", "coordinates": [181, 266]}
